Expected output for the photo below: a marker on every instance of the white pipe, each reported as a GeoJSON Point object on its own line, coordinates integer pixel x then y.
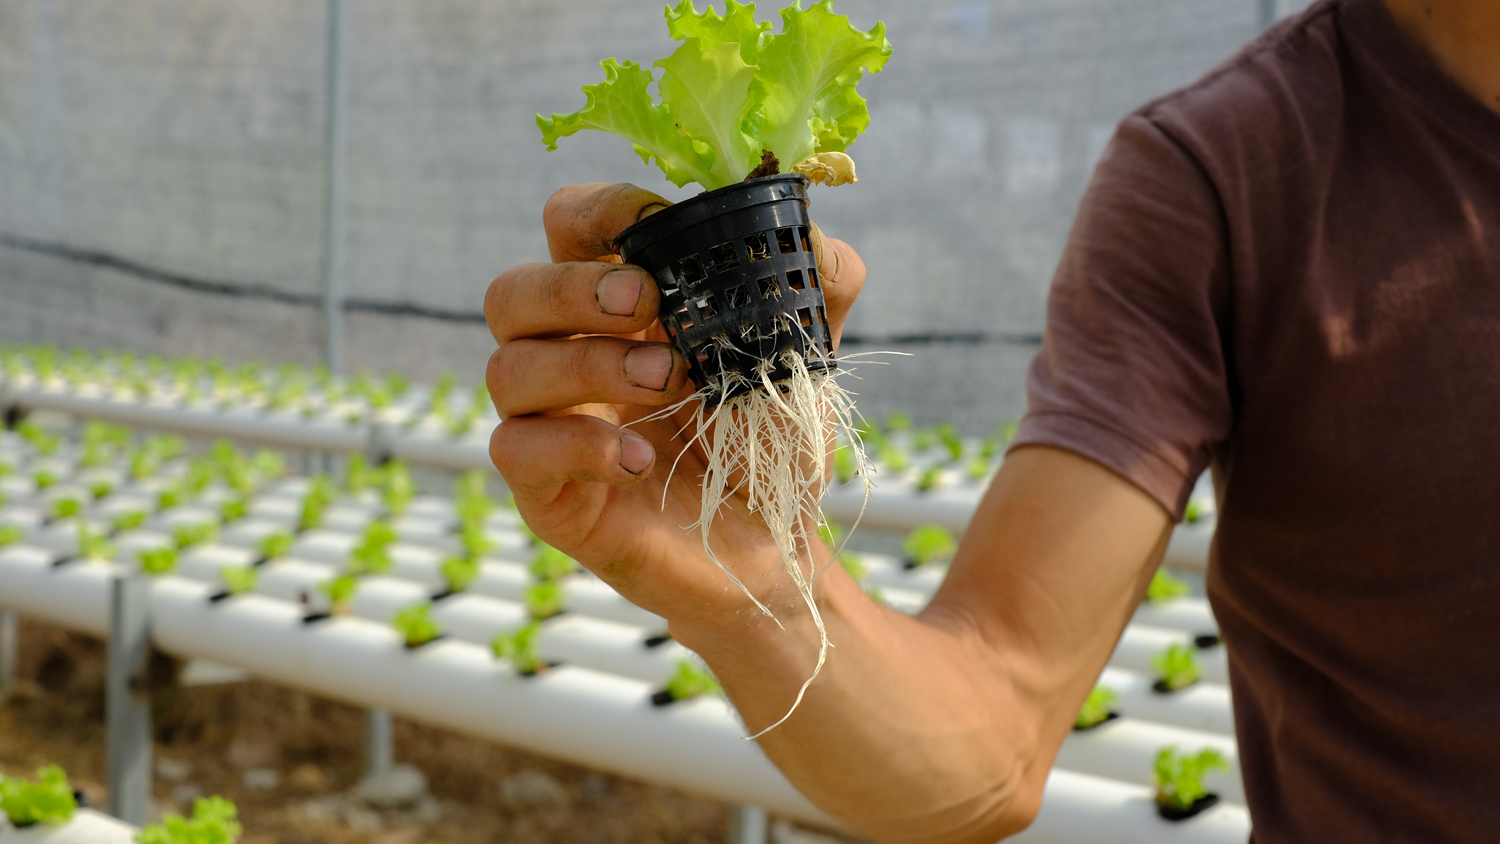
{"type": "Point", "coordinates": [1125, 749]}
{"type": "Point", "coordinates": [75, 595]}
{"type": "Point", "coordinates": [1202, 706]}
{"type": "Point", "coordinates": [574, 714]}
{"type": "Point", "coordinates": [587, 717]}
{"type": "Point", "coordinates": [85, 827]}
{"type": "Point", "coordinates": [1140, 643]}
{"type": "Point", "coordinates": [1082, 809]}
{"type": "Point", "coordinates": [1188, 614]}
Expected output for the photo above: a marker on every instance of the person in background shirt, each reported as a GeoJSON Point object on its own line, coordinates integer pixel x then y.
{"type": "Point", "coordinates": [1288, 272]}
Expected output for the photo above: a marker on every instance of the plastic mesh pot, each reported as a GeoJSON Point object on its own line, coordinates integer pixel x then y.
{"type": "Point", "coordinates": [738, 278]}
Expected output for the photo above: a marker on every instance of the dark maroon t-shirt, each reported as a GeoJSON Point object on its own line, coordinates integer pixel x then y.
{"type": "Point", "coordinates": [1290, 272]}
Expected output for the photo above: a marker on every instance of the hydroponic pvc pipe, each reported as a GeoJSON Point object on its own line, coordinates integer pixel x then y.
{"type": "Point", "coordinates": [1140, 643]}
{"type": "Point", "coordinates": [1124, 749]}
{"type": "Point", "coordinates": [85, 827]}
{"type": "Point", "coordinates": [1202, 706]}
{"type": "Point", "coordinates": [587, 717]}
{"type": "Point", "coordinates": [1082, 809]}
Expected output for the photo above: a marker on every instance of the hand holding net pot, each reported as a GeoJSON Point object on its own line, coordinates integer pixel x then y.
{"type": "Point", "coordinates": [739, 283]}
{"type": "Point", "coordinates": [582, 353]}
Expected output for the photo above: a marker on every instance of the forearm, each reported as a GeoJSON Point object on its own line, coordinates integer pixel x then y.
{"type": "Point", "coordinates": [909, 732]}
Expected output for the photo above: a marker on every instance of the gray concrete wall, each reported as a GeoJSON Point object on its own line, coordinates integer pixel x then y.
{"type": "Point", "coordinates": [183, 137]}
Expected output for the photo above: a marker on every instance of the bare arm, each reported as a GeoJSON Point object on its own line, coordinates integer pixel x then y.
{"type": "Point", "coordinates": [935, 728]}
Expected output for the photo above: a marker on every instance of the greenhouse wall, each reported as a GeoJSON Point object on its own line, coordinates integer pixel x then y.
{"type": "Point", "coordinates": [162, 171]}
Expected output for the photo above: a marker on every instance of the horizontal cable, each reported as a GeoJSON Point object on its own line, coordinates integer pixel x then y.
{"type": "Point", "coordinates": [263, 292]}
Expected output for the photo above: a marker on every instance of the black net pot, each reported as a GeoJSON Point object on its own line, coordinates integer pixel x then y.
{"type": "Point", "coordinates": [738, 279]}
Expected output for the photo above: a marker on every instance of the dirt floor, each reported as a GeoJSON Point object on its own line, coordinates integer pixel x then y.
{"type": "Point", "coordinates": [291, 761]}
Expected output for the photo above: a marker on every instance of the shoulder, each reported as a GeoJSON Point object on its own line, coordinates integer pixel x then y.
{"type": "Point", "coordinates": [1266, 107]}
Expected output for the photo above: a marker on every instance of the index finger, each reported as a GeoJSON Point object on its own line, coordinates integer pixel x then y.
{"type": "Point", "coordinates": [582, 221]}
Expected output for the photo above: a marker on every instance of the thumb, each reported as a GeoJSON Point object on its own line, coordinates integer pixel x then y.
{"type": "Point", "coordinates": [843, 276]}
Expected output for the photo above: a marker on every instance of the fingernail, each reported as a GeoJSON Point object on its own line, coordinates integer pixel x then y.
{"type": "Point", "coordinates": [619, 292]}
{"type": "Point", "coordinates": [635, 453]}
{"type": "Point", "coordinates": [649, 366]}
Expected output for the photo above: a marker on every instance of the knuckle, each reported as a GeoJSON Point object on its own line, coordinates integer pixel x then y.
{"type": "Point", "coordinates": [556, 292]}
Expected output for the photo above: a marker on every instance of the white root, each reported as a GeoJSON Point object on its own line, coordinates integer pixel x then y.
{"type": "Point", "coordinates": [771, 444]}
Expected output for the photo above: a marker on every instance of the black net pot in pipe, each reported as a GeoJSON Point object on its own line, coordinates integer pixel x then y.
{"type": "Point", "coordinates": [738, 279]}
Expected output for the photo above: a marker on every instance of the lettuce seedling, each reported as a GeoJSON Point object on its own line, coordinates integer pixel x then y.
{"type": "Point", "coordinates": [550, 564]}
{"type": "Point", "coordinates": [1176, 667]}
{"type": "Point", "coordinates": [65, 508]}
{"type": "Point", "coordinates": [1193, 513]}
{"type": "Point", "coordinates": [399, 490]}
{"type": "Point", "coordinates": [320, 494]}
{"type": "Point", "coordinates": [459, 573]}
{"type": "Point", "coordinates": [128, 520]}
{"type": "Point", "coordinates": [922, 440]}
{"type": "Point", "coordinates": [1179, 776]}
{"type": "Point", "coordinates": [519, 647]}
{"type": "Point", "coordinates": [186, 536]}
{"type": "Point", "coordinates": [476, 543]}
{"type": "Point", "coordinates": [931, 478]}
{"type": "Point", "coordinates": [545, 599]}
{"type": "Point", "coordinates": [213, 822]}
{"type": "Point", "coordinates": [276, 545]}
{"type": "Point", "coordinates": [690, 680]}
{"type": "Point", "coordinates": [845, 464]}
{"type": "Point", "coordinates": [100, 490]}
{"type": "Point", "coordinates": [735, 95]}
{"type": "Point", "coordinates": [44, 478]}
{"type": "Point", "coordinates": [978, 469]}
{"type": "Point", "coordinates": [10, 535]}
{"type": "Point", "coordinates": [360, 476]}
{"type": "Point", "coordinates": [1095, 710]}
{"type": "Point", "coordinates": [155, 561]}
{"type": "Point", "coordinates": [893, 458]}
{"type": "Point", "coordinates": [48, 799]}
{"type": "Point", "coordinates": [94, 547]}
{"type": "Point", "coordinates": [239, 579]}
{"type": "Point", "coordinates": [371, 555]}
{"type": "Point", "coordinates": [45, 443]}
{"type": "Point", "coordinates": [950, 439]}
{"type": "Point", "coordinates": [927, 544]}
{"type": "Point", "coordinates": [234, 509]}
{"type": "Point", "coordinates": [416, 625]}
{"type": "Point", "coordinates": [339, 591]}
{"type": "Point", "coordinates": [896, 421]}
{"type": "Point", "coordinates": [268, 465]}
{"type": "Point", "coordinates": [471, 499]}
{"type": "Point", "coordinates": [1164, 587]}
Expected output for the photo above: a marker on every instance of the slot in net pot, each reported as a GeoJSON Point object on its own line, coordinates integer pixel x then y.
{"type": "Point", "coordinates": [738, 279]}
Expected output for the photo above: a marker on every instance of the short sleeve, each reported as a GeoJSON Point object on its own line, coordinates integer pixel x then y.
{"type": "Point", "coordinates": [1132, 371]}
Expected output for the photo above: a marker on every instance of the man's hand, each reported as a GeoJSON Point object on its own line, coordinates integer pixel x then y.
{"type": "Point", "coordinates": [938, 728]}
{"type": "Point", "coordinates": [581, 354]}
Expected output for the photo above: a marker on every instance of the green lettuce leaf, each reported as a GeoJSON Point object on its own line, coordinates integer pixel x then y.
{"type": "Point", "coordinates": [734, 89]}
{"type": "Point", "coordinates": [810, 71]}
{"type": "Point", "coordinates": [736, 26]}
{"type": "Point", "coordinates": [621, 106]}
{"type": "Point", "coordinates": [709, 90]}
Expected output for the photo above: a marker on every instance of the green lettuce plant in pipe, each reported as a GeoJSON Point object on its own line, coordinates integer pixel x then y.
{"type": "Point", "coordinates": [46, 800]}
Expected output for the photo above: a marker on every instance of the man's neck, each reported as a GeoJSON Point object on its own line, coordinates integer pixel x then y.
{"type": "Point", "coordinates": [1462, 36]}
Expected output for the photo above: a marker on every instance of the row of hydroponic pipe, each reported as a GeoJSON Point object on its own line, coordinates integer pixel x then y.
{"type": "Point", "coordinates": [375, 595]}
{"type": "Point", "coordinates": [921, 476]}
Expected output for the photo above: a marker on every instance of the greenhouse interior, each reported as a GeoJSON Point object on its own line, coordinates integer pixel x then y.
{"type": "Point", "coordinates": [272, 568]}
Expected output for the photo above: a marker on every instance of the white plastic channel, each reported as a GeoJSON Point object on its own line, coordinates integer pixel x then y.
{"type": "Point", "coordinates": [570, 639]}
{"type": "Point", "coordinates": [1202, 706]}
{"type": "Point", "coordinates": [1140, 643]}
{"type": "Point", "coordinates": [1083, 809]}
{"type": "Point", "coordinates": [582, 716]}
{"type": "Point", "coordinates": [1125, 748]}
{"type": "Point", "coordinates": [86, 827]}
